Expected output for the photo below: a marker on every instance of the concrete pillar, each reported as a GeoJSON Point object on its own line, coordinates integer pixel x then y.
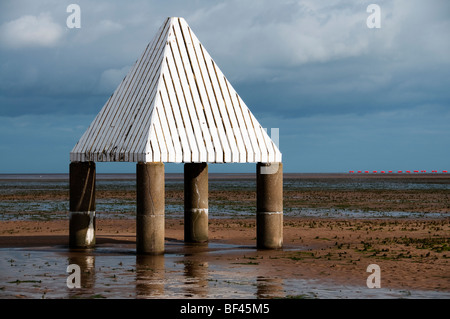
{"type": "Point", "coordinates": [82, 204]}
{"type": "Point", "coordinates": [269, 205]}
{"type": "Point", "coordinates": [150, 208]}
{"type": "Point", "coordinates": [196, 202]}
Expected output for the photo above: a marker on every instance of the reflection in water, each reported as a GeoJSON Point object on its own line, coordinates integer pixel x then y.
{"type": "Point", "coordinates": [269, 287]}
{"type": "Point", "coordinates": [117, 273]}
{"type": "Point", "coordinates": [150, 276]}
{"type": "Point", "coordinates": [87, 267]}
{"type": "Point", "coordinates": [196, 278]}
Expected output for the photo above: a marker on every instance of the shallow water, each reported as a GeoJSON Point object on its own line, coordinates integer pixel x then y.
{"type": "Point", "coordinates": [115, 271]}
{"type": "Point", "coordinates": [362, 184]}
{"type": "Point", "coordinates": [125, 208]}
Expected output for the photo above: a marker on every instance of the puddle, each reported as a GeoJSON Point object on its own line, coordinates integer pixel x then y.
{"type": "Point", "coordinates": [359, 214]}
{"type": "Point", "coordinates": [115, 271]}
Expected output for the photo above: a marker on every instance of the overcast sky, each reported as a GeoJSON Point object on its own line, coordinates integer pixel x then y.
{"type": "Point", "coordinates": [344, 96]}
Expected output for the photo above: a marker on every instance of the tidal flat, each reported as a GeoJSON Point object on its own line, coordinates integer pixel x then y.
{"type": "Point", "coordinates": [334, 227]}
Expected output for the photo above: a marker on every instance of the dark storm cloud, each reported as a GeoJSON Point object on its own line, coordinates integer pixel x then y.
{"type": "Point", "coordinates": [311, 68]}
{"type": "Point", "coordinates": [301, 56]}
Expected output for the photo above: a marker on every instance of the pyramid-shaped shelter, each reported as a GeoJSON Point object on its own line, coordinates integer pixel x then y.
{"type": "Point", "coordinates": [175, 105]}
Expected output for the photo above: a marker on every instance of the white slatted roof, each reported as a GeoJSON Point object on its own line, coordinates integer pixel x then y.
{"type": "Point", "coordinates": [175, 105]}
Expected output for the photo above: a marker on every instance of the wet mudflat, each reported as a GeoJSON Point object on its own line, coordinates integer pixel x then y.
{"type": "Point", "coordinates": [116, 272]}
{"type": "Point", "coordinates": [335, 226]}
{"type": "Point", "coordinates": [320, 259]}
{"type": "Point", "coordinates": [305, 195]}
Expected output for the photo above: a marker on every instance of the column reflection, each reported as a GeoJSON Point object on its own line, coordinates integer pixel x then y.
{"type": "Point", "coordinates": [267, 287]}
{"type": "Point", "coordinates": [196, 278]}
{"type": "Point", "coordinates": [150, 276]}
{"type": "Point", "coordinates": [87, 273]}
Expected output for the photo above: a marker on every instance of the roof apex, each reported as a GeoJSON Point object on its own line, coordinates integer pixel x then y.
{"type": "Point", "coordinates": [175, 105]}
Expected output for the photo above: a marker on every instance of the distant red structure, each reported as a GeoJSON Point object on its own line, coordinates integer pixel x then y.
{"type": "Point", "coordinates": [399, 172]}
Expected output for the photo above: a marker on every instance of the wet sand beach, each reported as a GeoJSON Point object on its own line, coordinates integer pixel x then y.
{"type": "Point", "coordinates": [322, 257]}
{"type": "Point", "coordinates": [412, 254]}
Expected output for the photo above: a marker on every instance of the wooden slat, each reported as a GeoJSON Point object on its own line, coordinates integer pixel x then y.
{"type": "Point", "coordinates": [137, 102]}
{"type": "Point", "coordinates": [262, 155]}
{"type": "Point", "coordinates": [209, 104]}
{"type": "Point", "coordinates": [194, 77]}
{"type": "Point", "coordinates": [229, 112]}
{"type": "Point", "coordinates": [168, 139]}
{"type": "Point", "coordinates": [156, 152]}
{"type": "Point", "coordinates": [160, 138]}
{"type": "Point", "coordinates": [244, 155]}
{"type": "Point", "coordinates": [176, 109]}
{"type": "Point", "coordinates": [180, 85]}
{"type": "Point", "coordinates": [177, 155]}
{"type": "Point", "coordinates": [186, 82]}
{"type": "Point", "coordinates": [269, 145]}
{"type": "Point", "coordinates": [221, 116]}
{"type": "Point", "coordinates": [104, 123]}
{"type": "Point", "coordinates": [113, 121]}
{"type": "Point", "coordinates": [140, 130]}
{"type": "Point", "coordinates": [250, 130]}
{"type": "Point", "coordinates": [175, 105]}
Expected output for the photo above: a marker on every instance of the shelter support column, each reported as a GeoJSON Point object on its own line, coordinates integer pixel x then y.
{"type": "Point", "coordinates": [150, 208]}
{"type": "Point", "coordinates": [269, 205]}
{"type": "Point", "coordinates": [195, 202]}
{"type": "Point", "coordinates": [82, 204]}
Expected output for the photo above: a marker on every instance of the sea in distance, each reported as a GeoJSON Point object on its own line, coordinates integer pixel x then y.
{"type": "Point", "coordinates": [45, 196]}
